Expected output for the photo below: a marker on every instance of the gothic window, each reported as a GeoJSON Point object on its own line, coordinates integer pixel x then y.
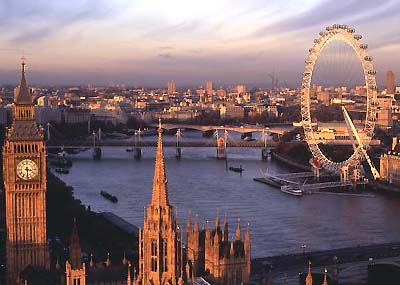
{"type": "Point", "coordinates": [77, 281]}
{"type": "Point", "coordinates": [165, 255]}
{"type": "Point", "coordinates": [154, 255]}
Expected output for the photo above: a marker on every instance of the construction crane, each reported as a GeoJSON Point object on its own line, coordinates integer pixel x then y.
{"type": "Point", "coordinates": [354, 134]}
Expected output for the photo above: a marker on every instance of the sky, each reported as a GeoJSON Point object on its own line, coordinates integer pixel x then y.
{"type": "Point", "coordinates": [148, 42]}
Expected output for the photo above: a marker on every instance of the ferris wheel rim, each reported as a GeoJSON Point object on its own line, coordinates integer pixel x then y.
{"type": "Point", "coordinates": [345, 34]}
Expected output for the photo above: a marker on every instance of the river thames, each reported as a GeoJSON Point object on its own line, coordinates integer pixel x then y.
{"type": "Point", "coordinates": [199, 183]}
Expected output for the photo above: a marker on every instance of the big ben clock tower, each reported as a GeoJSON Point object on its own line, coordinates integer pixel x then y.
{"type": "Point", "coordinates": [24, 168]}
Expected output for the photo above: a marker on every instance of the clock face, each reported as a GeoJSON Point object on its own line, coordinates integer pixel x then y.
{"type": "Point", "coordinates": [27, 169]}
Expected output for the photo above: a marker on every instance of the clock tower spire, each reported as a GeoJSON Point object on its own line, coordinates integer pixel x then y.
{"type": "Point", "coordinates": [24, 171]}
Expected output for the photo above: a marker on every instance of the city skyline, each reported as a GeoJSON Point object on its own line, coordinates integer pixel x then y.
{"type": "Point", "coordinates": [149, 43]}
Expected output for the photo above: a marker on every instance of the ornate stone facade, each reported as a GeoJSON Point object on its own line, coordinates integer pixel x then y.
{"type": "Point", "coordinates": [211, 254]}
{"type": "Point", "coordinates": [75, 269]}
{"type": "Point", "coordinates": [390, 164]}
{"type": "Point", "coordinates": [160, 240]}
{"type": "Point", "coordinates": [24, 172]}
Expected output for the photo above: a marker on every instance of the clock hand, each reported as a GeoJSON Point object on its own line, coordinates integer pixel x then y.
{"type": "Point", "coordinates": [27, 171]}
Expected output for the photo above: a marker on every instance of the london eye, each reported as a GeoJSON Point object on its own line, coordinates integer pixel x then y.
{"type": "Point", "coordinates": [346, 35]}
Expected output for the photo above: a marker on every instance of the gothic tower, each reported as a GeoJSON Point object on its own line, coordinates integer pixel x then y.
{"type": "Point", "coordinates": [24, 173]}
{"type": "Point", "coordinates": [160, 244]}
{"type": "Point", "coordinates": [211, 254]}
{"type": "Point", "coordinates": [75, 269]}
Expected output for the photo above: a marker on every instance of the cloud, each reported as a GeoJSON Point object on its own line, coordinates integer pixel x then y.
{"type": "Point", "coordinates": [327, 13]}
{"type": "Point", "coordinates": [165, 55]}
{"type": "Point", "coordinates": [30, 21]}
{"type": "Point", "coordinates": [173, 30]}
{"type": "Point", "coordinates": [167, 48]}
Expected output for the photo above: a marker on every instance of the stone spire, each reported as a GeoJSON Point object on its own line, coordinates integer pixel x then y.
{"type": "Point", "coordinates": [23, 95]}
{"type": "Point", "coordinates": [91, 263]}
{"type": "Point", "coordinates": [196, 225]}
{"type": "Point", "coordinates": [325, 278]}
{"type": "Point", "coordinates": [232, 250]}
{"type": "Point", "coordinates": [188, 223]}
{"type": "Point", "coordinates": [225, 235]}
{"type": "Point", "coordinates": [247, 234]}
{"type": "Point", "coordinates": [217, 221]}
{"type": "Point", "coordinates": [108, 261]}
{"type": "Point", "coordinates": [124, 260]}
{"type": "Point", "coordinates": [238, 235]}
{"type": "Point", "coordinates": [309, 275]}
{"type": "Point", "coordinates": [128, 281]}
{"type": "Point", "coordinates": [247, 237]}
{"type": "Point", "coordinates": [160, 189]}
{"type": "Point", "coordinates": [75, 251]}
{"type": "Point", "coordinates": [58, 266]}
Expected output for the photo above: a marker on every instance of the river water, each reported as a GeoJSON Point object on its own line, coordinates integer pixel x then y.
{"type": "Point", "coordinates": [199, 183]}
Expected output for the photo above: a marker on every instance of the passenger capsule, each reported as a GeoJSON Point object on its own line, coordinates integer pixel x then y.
{"type": "Point", "coordinates": [363, 46]}
{"type": "Point", "coordinates": [358, 37]}
{"type": "Point", "coordinates": [368, 58]}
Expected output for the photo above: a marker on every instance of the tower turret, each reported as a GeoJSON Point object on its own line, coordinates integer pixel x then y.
{"type": "Point", "coordinates": [75, 269]}
{"type": "Point", "coordinates": [225, 235]}
{"type": "Point", "coordinates": [160, 190]}
{"type": "Point", "coordinates": [325, 278]}
{"type": "Point", "coordinates": [23, 103]}
{"type": "Point", "coordinates": [196, 225]}
{"type": "Point", "coordinates": [160, 246]}
{"type": "Point", "coordinates": [128, 279]}
{"type": "Point", "coordinates": [247, 236]}
{"type": "Point", "coordinates": [108, 261]}
{"type": "Point", "coordinates": [247, 252]}
{"type": "Point", "coordinates": [217, 222]}
{"type": "Point", "coordinates": [238, 235]}
{"type": "Point", "coordinates": [25, 184]}
{"type": "Point", "coordinates": [188, 224]}
{"type": "Point", "coordinates": [309, 275]}
{"type": "Point", "coordinates": [75, 251]}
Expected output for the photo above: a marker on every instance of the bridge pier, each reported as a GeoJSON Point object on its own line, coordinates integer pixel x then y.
{"type": "Point", "coordinates": [178, 153]}
{"type": "Point", "coordinates": [316, 172]}
{"type": "Point", "coordinates": [96, 153]}
{"type": "Point", "coordinates": [138, 153]}
{"type": "Point", "coordinates": [221, 148]}
{"type": "Point", "coordinates": [265, 153]}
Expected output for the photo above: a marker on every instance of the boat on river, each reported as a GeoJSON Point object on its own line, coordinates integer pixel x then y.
{"type": "Point", "coordinates": [236, 169]}
{"type": "Point", "coordinates": [292, 190]}
{"type": "Point", "coordinates": [109, 197]}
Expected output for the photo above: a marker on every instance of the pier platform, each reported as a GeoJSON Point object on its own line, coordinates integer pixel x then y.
{"type": "Point", "coordinates": [121, 223]}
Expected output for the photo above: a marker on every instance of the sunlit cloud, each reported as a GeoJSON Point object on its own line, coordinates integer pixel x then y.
{"type": "Point", "coordinates": [158, 40]}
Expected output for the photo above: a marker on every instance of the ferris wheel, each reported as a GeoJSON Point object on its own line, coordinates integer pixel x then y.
{"type": "Point", "coordinates": [347, 35]}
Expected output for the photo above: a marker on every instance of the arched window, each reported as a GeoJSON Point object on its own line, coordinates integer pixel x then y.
{"type": "Point", "coordinates": [154, 255]}
{"type": "Point", "coordinates": [165, 255]}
